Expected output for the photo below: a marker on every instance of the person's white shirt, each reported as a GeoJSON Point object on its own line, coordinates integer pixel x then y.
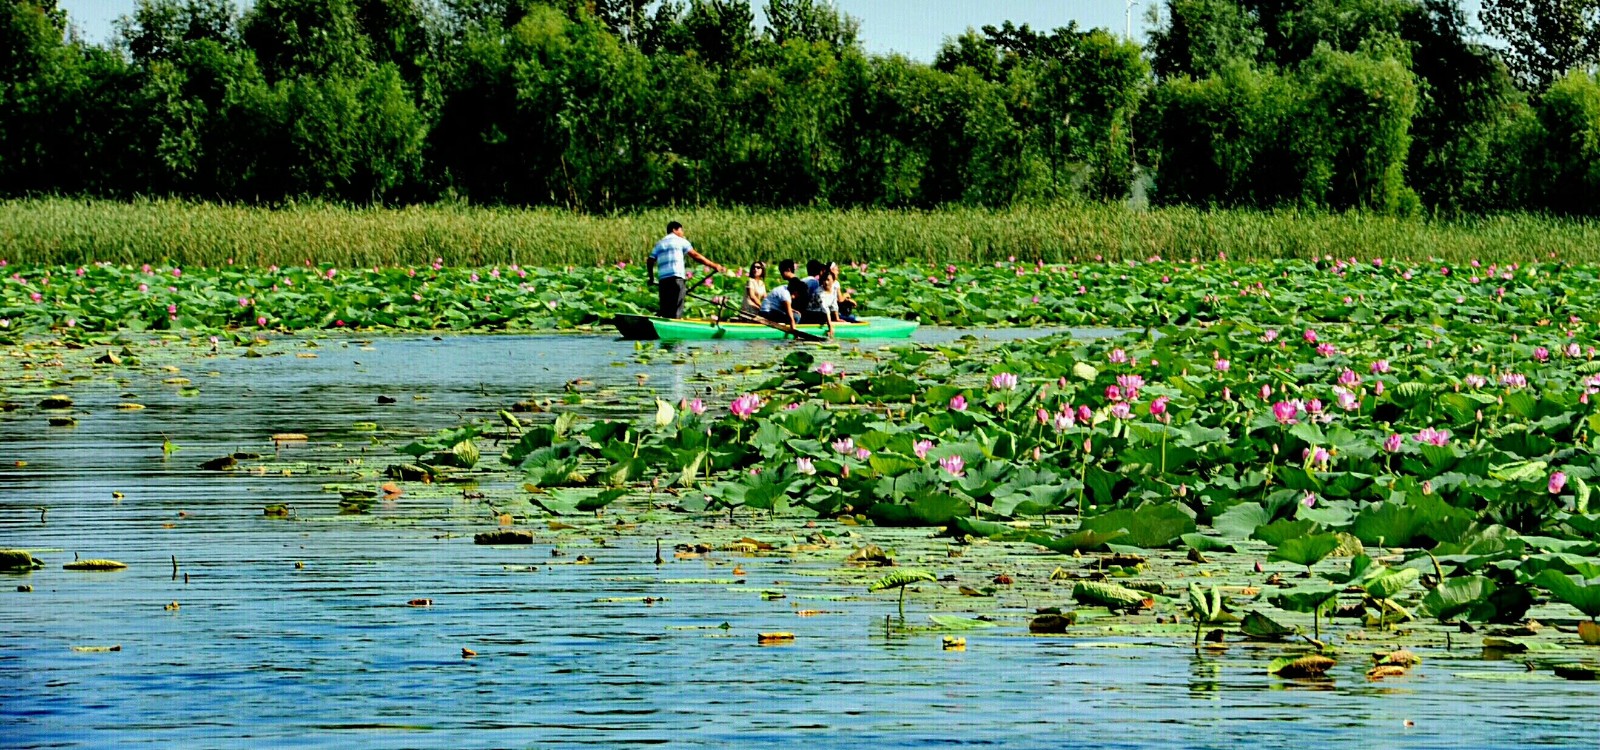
{"type": "Point", "coordinates": [776, 299]}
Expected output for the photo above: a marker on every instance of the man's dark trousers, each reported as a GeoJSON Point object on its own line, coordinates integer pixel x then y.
{"type": "Point", "coordinates": [673, 290]}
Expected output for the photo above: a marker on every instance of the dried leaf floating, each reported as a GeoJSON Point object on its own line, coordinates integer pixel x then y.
{"type": "Point", "coordinates": [1312, 665]}
{"type": "Point", "coordinates": [94, 565]}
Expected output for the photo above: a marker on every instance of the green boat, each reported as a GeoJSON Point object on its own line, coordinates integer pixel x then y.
{"type": "Point", "coordinates": [642, 327]}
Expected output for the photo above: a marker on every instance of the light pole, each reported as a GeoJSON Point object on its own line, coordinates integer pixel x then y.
{"type": "Point", "coordinates": [1129, 30]}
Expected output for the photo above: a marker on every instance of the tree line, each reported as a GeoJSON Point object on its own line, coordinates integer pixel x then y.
{"type": "Point", "coordinates": [603, 105]}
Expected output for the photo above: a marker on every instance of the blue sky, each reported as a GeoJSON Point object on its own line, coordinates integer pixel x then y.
{"type": "Point", "coordinates": [911, 27]}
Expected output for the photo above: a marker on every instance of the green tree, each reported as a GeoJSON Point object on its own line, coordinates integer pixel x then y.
{"type": "Point", "coordinates": [160, 29]}
{"type": "Point", "coordinates": [318, 38]}
{"type": "Point", "coordinates": [720, 32]}
{"type": "Point", "coordinates": [810, 21]}
{"type": "Point", "coordinates": [1569, 139]}
{"type": "Point", "coordinates": [1544, 39]}
{"type": "Point", "coordinates": [1355, 131]}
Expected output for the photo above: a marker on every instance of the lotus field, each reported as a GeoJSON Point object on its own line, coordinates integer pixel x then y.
{"type": "Point", "coordinates": [1375, 446]}
{"type": "Point", "coordinates": [73, 300]}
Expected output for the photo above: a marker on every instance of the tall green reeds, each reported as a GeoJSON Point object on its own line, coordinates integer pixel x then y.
{"type": "Point", "coordinates": [72, 231]}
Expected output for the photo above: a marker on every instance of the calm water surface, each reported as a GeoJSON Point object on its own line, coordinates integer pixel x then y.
{"type": "Point", "coordinates": [263, 653]}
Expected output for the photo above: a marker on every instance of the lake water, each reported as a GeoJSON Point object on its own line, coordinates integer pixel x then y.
{"type": "Point", "coordinates": [264, 651]}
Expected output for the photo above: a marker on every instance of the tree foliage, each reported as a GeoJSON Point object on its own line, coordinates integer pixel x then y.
{"type": "Point", "coordinates": [1545, 39]}
{"type": "Point", "coordinates": [607, 105]}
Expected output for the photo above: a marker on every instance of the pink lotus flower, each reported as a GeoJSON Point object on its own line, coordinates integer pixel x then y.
{"type": "Point", "coordinates": [1084, 414]}
{"type": "Point", "coordinates": [262, 321]}
{"type": "Point", "coordinates": [1286, 411]}
{"type": "Point", "coordinates": [473, 277]}
{"type": "Point", "coordinates": [1558, 480]}
{"type": "Point", "coordinates": [1309, 500]}
{"type": "Point", "coordinates": [1121, 410]}
{"type": "Point", "coordinates": [1380, 367]}
{"type": "Point", "coordinates": [958, 402]}
{"type": "Point", "coordinates": [1346, 400]}
{"type": "Point", "coordinates": [1327, 350]}
{"type": "Point", "coordinates": [176, 272]}
{"type": "Point", "coordinates": [1315, 456]}
{"type": "Point", "coordinates": [1118, 357]}
{"type": "Point", "coordinates": [1113, 393]}
{"type": "Point", "coordinates": [1222, 365]}
{"type": "Point", "coordinates": [953, 465]}
{"type": "Point", "coordinates": [144, 287]}
{"type": "Point", "coordinates": [338, 324]}
{"type": "Point", "coordinates": [1043, 416]}
{"type": "Point", "coordinates": [81, 271]}
{"type": "Point", "coordinates": [1475, 381]}
{"type": "Point", "coordinates": [1349, 378]}
{"type": "Point", "coordinates": [845, 446]}
{"type": "Point", "coordinates": [1315, 407]}
{"type": "Point", "coordinates": [1266, 392]}
{"type": "Point", "coordinates": [921, 448]}
{"type": "Point", "coordinates": [1159, 406]}
{"type": "Point", "coordinates": [1377, 388]}
{"type": "Point", "coordinates": [744, 406]}
{"type": "Point", "coordinates": [172, 309]}
{"type": "Point", "coordinates": [697, 407]}
{"type": "Point", "coordinates": [36, 296]}
{"type": "Point", "coordinates": [1430, 436]}
{"type": "Point", "coordinates": [1063, 421]}
{"type": "Point", "coordinates": [1541, 354]}
{"type": "Point", "coordinates": [1513, 380]}
{"type": "Point", "coordinates": [1004, 381]}
{"type": "Point", "coordinates": [1130, 384]}
{"type": "Point", "coordinates": [1406, 275]}
{"type": "Point", "coordinates": [804, 466]}
{"type": "Point", "coordinates": [1392, 443]}
{"type": "Point", "coordinates": [863, 454]}
{"type": "Point", "coordinates": [1270, 335]}
{"type": "Point", "coordinates": [1310, 336]}
{"type": "Point", "coordinates": [825, 369]}
{"type": "Point", "coordinates": [331, 272]}
{"type": "Point", "coordinates": [1572, 350]}
{"type": "Point", "coordinates": [244, 301]}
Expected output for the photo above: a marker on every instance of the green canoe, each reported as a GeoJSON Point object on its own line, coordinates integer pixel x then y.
{"type": "Point", "coordinates": [692, 329]}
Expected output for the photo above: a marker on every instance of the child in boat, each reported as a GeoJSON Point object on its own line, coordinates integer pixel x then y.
{"type": "Point", "coordinates": [755, 290]}
{"type": "Point", "coordinates": [836, 303]}
{"type": "Point", "coordinates": [828, 295]}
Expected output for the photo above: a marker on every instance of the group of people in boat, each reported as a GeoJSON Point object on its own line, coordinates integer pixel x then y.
{"type": "Point", "coordinates": [816, 299]}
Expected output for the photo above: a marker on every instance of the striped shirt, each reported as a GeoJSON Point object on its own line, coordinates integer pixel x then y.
{"type": "Point", "coordinates": [668, 254]}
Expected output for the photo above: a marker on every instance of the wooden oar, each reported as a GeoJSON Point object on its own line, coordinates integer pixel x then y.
{"type": "Point", "coordinates": [743, 318]}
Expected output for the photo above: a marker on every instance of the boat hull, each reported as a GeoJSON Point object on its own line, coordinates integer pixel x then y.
{"type": "Point", "coordinates": [641, 327]}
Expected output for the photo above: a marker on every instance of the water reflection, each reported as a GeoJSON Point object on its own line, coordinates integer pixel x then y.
{"type": "Point", "coordinates": [298, 633]}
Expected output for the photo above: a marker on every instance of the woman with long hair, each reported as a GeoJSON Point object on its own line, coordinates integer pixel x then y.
{"type": "Point", "coordinates": [755, 290]}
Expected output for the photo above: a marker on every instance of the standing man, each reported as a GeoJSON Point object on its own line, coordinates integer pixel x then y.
{"type": "Point", "coordinates": [666, 268]}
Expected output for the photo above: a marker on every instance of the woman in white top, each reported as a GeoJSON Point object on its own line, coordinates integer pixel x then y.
{"type": "Point", "coordinates": [828, 294]}
{"type": "Point", "coordinates": [844, 307]}
{"type": "Point", "coordinates": [755, 290]}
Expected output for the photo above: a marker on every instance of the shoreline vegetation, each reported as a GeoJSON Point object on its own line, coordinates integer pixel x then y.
{"type": "Point", "coordinates": [68, 231]}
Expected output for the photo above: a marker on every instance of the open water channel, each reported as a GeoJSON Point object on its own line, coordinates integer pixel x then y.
{"type": "Point", "coordinates": [297, 633]}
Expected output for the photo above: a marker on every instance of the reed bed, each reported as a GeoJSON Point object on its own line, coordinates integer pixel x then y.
{"type": "Point", "coordinates": [55, 230]}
